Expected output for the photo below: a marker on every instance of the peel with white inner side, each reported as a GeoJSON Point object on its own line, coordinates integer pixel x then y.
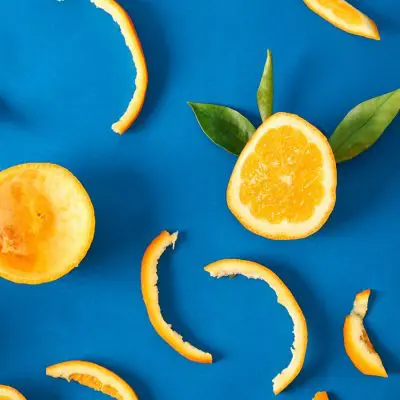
{"type": "Point", "coordinates": [253, 270]}
{"type": "Point", "coordinates": [9, 393]}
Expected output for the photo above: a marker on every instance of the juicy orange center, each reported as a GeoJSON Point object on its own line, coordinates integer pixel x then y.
{"type": "Point", "coordinates": [342, 10]}
{"type": "Point", "coordinates": [94, 383]}
{"type": "Point", "coordinates": [282, 180]}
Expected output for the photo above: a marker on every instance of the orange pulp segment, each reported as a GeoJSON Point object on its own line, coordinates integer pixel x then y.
{"type": "Point", "coordinates": [344, 16]}
{"type": "Point", "coordinates": [357, 343]}
{"type": "Point", "coordinates": [283, 185]}
{"type": "Point", "coordinates": [252, 270]}
{"type": "Point", "coordinates": [150, 296]}
{"type": "Point", "coordinates": [9, 393]}
{"type": "Point", "coordinates": [321, 396]}
{"type": "Point", "coordinates": [128, 31]}
{"type": "Point", "coordinates": [93, 376]}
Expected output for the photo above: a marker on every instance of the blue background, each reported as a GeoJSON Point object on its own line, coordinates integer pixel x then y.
{"type": "Point", "coordinates": [66, 76]}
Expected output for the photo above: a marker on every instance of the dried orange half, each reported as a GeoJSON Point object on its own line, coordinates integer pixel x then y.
{"type": "Point", "coordinates": [283, 185]}
{"type": "Point", "coordinates": [321, 396]}
{"type": "Point", "coordinates": [150, 296]}
{"type": "Point", "coordinates": [9, 393]}
{"type": "Point", "coordinates": [47, 223]}
{"type": "Point", "coordinates": [356, 341]}
{"type": "Point", "coordinates": [252, 270]}
{"type": "Point", "coordinates": [128, 31]}
{"type": "Point", "coordinates": [344, 16]}
{"type": "Point", "coordinates": [93, 376]}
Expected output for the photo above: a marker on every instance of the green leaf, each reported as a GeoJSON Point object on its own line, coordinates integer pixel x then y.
{"type": "Point", "coordinates": [224, 126]}
{"type": "Point", "coordinates": [364, 125]}
{"type": "Point", "coordinates": [265, 93]}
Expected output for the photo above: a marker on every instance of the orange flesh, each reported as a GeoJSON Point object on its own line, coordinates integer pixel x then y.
{"type": "Point", "coordinates": [321, 396]}
{"type": "Point", "coordinates": [342, 10]}
{"type": "Point", "coordinates": [272, 189]}
{"type": "Point", "coordinates": [93, 383]}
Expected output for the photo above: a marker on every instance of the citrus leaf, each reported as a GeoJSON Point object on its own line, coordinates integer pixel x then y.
{"type": "Point", "coordinates": [265, 93]}
{"type": "Point", "coordinates": [364, 125]}
{"type": "Point", "coordinates": [226, 127]}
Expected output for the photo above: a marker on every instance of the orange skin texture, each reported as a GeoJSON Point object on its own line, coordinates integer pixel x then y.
{"type": "Point", "coordinates": [150, 297]}
{"type": "Point", "coordinates": [321, 396]}
{"type": "Point", "coordinates": [128, 30]}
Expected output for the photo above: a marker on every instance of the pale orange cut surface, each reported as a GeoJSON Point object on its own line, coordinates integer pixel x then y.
{"type": "Point", "coordinates": [344, 16]}
{"type": "Point", "coordinates": [283, 185]}
{"type": "Point", "coordinates": [47, 223]}
{"type": "Point", "coordinates": [151, 299]}
{"type": "Point", "coordinates": [252, 270]}
{"type": "Point", "coordinates": [321, 396]}
{"type": "Point", "coordinates": [9, 393]}
{"type": "Point", "coordinates": [128, 30]}
{"type": "Point", "coordinates": [356, 341]}
{"type": "Point", "coordinates": [93, 376]}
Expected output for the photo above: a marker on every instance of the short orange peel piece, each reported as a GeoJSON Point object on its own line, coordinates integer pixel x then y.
{"type": "Point", "coordinates": [151, 299]}
{"type": "Point", "coordinates": [321, 396]}
{"type": "Point", "coordinates": [357, 343]}
{"type": "Point", "coordinates": [9, 393]}
{"type": "Point", "coordinates": [345, 17]}
{"type": "Point", "coordinates": [93, 376]}
{"type": "Point", "coordinates": [131, 37]}
{"type": "Point", "coordinates": [252, 270]}
{"type": "Point", "coordinates": [47, 223]}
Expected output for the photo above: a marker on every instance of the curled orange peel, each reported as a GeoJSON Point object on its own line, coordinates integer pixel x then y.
{"type": "Point", "coordinates": [131, 37]}
{"type": "Point", "coordinates": [9, 393]}
{"type": "Point", "coordinates": [252, 270]}
{"type": "Point", "coordinates": [150, 296]}
{"type": "Point", "coordinates": [321, 396]}
{"type": "Point", "coordinates": [357, 343]}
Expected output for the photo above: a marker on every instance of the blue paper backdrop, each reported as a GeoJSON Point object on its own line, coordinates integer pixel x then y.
{"type": "Point", "coordinates": [66, 75]}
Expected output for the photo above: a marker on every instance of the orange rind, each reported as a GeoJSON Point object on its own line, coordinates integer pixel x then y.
{"type": "Point", "coordinates": [321, 396]}
{"type": "Point", "coordinates": [47, 223]}
{"type": "Point", "coordinates": [151, 299]}
{"type": "Point", "coordinates": [345, 17]}
{"type": "Point", "coordinates": [93, 376]}
{"type": "Point", "coordinates": [128, 31]}
{"type": "Point", "coordinates": [9, 393]}
{"type": "Point", "coordinates": [252, 270]}
{"type": "Point", "coordinates": [284, 182]}
{"type": "Point", "coordinates": [357, 343]}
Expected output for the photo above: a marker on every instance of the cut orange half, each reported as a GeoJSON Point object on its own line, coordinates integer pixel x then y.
{"type": "Point", "coordinates": [321, 396]}
{"type": "Point", "coordinates": [344, 16]}
{"type": "Point", "coordinates": [93, 376]}
{"type": "Point", "coordinates": [283, 185]}
{"type": "Point", "coordinates": [47, 223]}
{"type": "Point", "coordinates": [356, 341]}
{"type": "Point", "coordinates": [9, 393]}
{"type": "Point", "coordinates": [150, 297]}
{"type": "Point", "coordinates": [253, 270]}
{"type": "Point", "coordinates": [128, 30]}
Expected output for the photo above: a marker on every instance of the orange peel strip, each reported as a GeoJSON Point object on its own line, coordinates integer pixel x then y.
{"type": "Point", "coordinates": [94, 376]}
{"type": "Point", "coordinates": [151, 299]}
{"type": "Point", "coordinates": [357, 343]}
{"type": "Point", "coordinates": [321, 396]}
{"type": "Point", "coordinates": [9, 393]}
{"type": "Point", "coordinates": [131, 37]}
{"type": "Point", "coordinates": [253, 270]}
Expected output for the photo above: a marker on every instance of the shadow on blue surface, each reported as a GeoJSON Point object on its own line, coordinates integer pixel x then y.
{"type": "Point", "coordinates": [9, 114]}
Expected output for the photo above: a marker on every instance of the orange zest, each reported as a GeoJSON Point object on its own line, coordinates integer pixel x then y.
{"type": "Point", "coordinates": [321, 396]}
{"type": "Point", "coordinates": [93, 376]}
{"type": "Point", "coordinates": [47, 223]}
{"type": "Point", "coordinates": [283, 185]}
{"type": "Point", "coordinates": [150, 296]}
{"type": "Point", "coordinates": [9, 393]}
{"type": "Point", "coordinates": [356, 341]}
{"type": "Point", "coordinates": [345, 17]}
{"type": "Point", "coordinates": [253, 270]}
{"type": "Point", "coordinates": [128, 31]}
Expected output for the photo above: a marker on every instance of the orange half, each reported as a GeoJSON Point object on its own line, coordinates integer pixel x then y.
{"type": "Point", "coordinates": [283, 185]}
{"type": "Point", "coordinates": [345, 17]}
{"type": "Point", "coordinates": [321, 396]}
{"type": "Point", "coordinates": [151, 299]}
{"type": "Point", "coordinates": [93, 376]}
{"type": "Point", "coordinates": [128, 31]}
{"type": "Point", "coordinates": [253, 270]}
{"type": "Point", "coordinates": [356, 341]}
{"type": "Point", "coordinates": [9, 393]}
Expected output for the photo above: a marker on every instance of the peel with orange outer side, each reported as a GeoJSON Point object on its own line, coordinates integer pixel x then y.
{"type": "Point", "coordinates": [283, 185]}
{"type": "Point", "coordinates": [9, 393]}
{"type": "Point", "coordinates": [356, 341]}
{"type": "Point", "coordinates": [252, 270]}
{"type": "Point", "coordinates": [321, 396]}
{"type": "Point", "coordinates": [47, 223]}
{"type": "Point", "coordinates": [150, 296]}
{"type": "Point", "coordinates": [345, 17]}
{"type": "Point", "coordinates": [93, 376]}
{"type": "Point", "coordinates": [128, 31]}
